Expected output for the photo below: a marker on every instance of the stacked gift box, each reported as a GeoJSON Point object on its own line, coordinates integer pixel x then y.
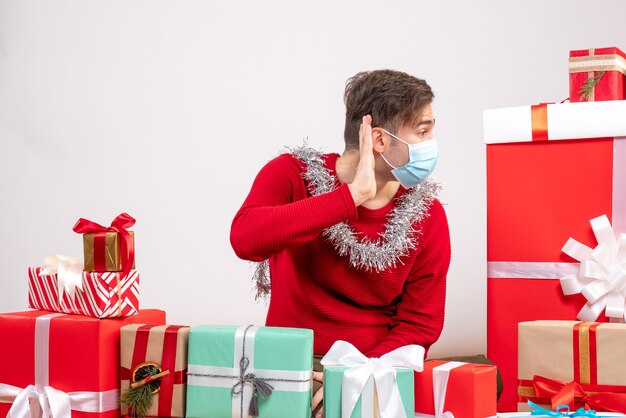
{"type": "Point", "coordinates": [556, 209]}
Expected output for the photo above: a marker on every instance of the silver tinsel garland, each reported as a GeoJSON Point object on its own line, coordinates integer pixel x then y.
{"type": "Point", "coordinates": [385, 252]}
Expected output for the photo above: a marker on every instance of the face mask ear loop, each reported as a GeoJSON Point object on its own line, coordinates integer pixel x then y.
{"type": "Point", "coordinates": [381, 154]}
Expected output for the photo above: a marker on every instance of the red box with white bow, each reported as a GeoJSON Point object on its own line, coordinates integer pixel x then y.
{"type": "Point", "coordinates": [67, 364]}
{"type": "Point", "coordinates": [550, 170]}
{"type": "Point", "coordinates": [466, 390]}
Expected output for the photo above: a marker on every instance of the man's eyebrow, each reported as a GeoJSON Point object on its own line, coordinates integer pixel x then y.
{"type": "Point", "coordinates": [425, 122]}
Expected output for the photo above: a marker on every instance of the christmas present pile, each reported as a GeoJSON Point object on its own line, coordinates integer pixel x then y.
{"type": "Point", "coordinates": [552, 170]}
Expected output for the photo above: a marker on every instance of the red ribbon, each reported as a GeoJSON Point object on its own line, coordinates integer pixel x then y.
{"type": "Point", "coordinates": [127, 247]}
{"type": "Point", "coordinates": [168, 362]}
{"type": "Point", "coordinates": [573, 395]}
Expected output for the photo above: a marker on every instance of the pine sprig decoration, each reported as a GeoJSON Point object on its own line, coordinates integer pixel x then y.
{"type": "Point", "coordinates": [139, 400]}
{"type": "Point", "coordinates": [139, 397]}
{"type": "Point", "coordinates": [590, 84]}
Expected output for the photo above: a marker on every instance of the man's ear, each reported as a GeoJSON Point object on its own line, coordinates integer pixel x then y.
{"type": "Point", "coordinates": [378, 140]}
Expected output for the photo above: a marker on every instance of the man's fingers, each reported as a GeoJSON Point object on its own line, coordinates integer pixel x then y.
{"type": "Point", "coordinates": [317, 398]}
{"type": "Point", "coordinates": [320, 413]}
{"type": "Point", "coordinates": [318, 377]}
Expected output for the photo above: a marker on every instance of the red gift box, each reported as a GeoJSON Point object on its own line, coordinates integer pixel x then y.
{"type": "Point", "coordinates": [56, 359]}
{"type": "Point", "coordinates": [540, 193]}
{"type": "Point", "coordinates": [605, 68]}
{"type": "Point", "coordinates": [469, 390]}
{"type": "Point", "coordinates": [103, 295]}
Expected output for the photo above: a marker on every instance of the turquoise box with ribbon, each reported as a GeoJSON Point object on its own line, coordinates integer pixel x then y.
{"type": "Point", "coordinates": [368, 404]}
{"type": "Point", "coordinates": [249, 371]}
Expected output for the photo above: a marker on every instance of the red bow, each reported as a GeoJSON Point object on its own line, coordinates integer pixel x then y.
{"type": "Point", "coordinates": [119, 225]}
{"type": "Point", "coordinates": [573, 395]}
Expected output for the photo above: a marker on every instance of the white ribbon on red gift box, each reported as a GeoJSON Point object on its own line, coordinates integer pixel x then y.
{"type": "Point", "coordinates": [43, 401]}
{"type": "Point", "coordinates": [69, 271]}
{"type": "Point", "coordinates": [441, 375]}
{"type": "Point", "coordinates": [363, 372]}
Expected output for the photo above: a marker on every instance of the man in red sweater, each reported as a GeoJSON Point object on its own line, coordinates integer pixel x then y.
{"type": "Point", "coordinates": [357, 245]}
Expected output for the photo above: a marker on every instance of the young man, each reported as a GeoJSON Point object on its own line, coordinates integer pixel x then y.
{"type": "Point", "coordinates": [357, 244]}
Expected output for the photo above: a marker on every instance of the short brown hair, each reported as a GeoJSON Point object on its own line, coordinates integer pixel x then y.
{"type": "Point", "coordinates": [393, 98]}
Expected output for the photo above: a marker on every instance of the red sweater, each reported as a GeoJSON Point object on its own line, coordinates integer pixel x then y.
{"type": "Point", "coordinates": [313, 287]}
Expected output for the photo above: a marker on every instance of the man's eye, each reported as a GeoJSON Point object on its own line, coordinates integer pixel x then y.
{"type": "Point", "coordinates": [423, 134]}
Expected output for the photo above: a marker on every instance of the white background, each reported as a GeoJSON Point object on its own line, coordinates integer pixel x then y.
{"type": "Point", "coordinates": [167, 110]}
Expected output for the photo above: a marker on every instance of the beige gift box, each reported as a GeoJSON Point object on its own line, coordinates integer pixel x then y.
{"type": "Point", "coordinates": [164, 347]}
{"type": "Point", "coordinates": [590, 353]}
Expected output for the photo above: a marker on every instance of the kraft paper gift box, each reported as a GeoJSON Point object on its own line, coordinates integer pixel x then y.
{"type": "Point", "coordinates": [230, 369]}
{"type": "Point", "coordinates": [65, 362]}
{"type": "Point", "coordinates": [550, 170]}
{"type": "Point", "coordinates": [466, 390]}
{"type": "Point", "coordinates": [164, 348]}
{"type": "Point", "coordinates": [553, 354]}
{"type": "Point", "coordinates": [359, 387]}
{"type": "Point", "coordinates": [602, 70]}
{"type": "Point", "coordinates": [109, 248]}
{"type": "Point", "coordinates": [101, 295]}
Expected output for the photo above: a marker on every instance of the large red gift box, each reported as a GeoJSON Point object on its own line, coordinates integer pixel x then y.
{"type": "Point", "coordinates": [103, 294]}
{"type": "Point", "coordinates": [466, 390]}
{"type": "Point", "coordinates": [604, 66]}
{"type": "Point", "coordinates": [57, 360]}
{"type": "Point", "coordinates": [550, 170]}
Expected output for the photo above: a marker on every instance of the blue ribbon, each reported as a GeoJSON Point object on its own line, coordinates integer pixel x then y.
{"type": "Point", "coordinates": [561, 411]}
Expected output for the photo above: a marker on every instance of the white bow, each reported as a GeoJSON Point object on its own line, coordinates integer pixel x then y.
{"type": "Point", "coordinates": [44, 402]}
{"type": "Point", "coordinates": [601, 277]}
{"type": "Point", "coordinates": [382, 369]}
{"type": "Point", "coordinates": [69, 271]}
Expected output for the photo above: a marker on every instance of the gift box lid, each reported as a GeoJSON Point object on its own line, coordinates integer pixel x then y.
{"type": "Point", "coordinates": [561, 121]}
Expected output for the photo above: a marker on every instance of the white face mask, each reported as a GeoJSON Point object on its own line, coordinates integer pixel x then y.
{"type": "Point", "coordinates": [423, 158]}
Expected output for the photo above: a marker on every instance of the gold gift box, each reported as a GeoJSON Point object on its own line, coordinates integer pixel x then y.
{"type": "Point", "coordinates": [112, 253]}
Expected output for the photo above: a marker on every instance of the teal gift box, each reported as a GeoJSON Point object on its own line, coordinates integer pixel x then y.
{"type": "Point", "coordinates": [333, 383]}
{"type": "Point", "coordinates": [230, 369]}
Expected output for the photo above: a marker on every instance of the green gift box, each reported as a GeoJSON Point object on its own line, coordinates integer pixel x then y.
{"type": "Point", "coordinates": [230, 369]}
{"type": "Point", "coordinates": [333, 384]}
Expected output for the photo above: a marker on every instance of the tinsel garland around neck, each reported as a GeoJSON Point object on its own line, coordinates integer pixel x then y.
{"type": "Point", "coordinates": [385, 252]}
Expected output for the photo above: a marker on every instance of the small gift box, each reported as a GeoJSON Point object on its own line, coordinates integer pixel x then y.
{"type": "Point", "coordinates": [578, 364]}
{"type": "Point", "coordinates": [357, 387]}
{"type": "Point", "coordinates": [539, 194]}
{"type": "Point", "coordinates": [154, 350]}
{"type": "Point", "coordinates": [249, 371]}
{"type": "Point", "coordinates": [465, 390]}
{"type": "Point", "coordinates": [597, 74]}
{"type": "Point", "coordinates": [62, 364]}
{"type": "Point", "coordinates": [70, 290]}
{"type": "Point", "coordinates": [108, 248]}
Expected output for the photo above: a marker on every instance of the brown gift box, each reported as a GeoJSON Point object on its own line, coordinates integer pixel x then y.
{"type": "Point", "coordinates": [164, 346]}
{"type": "Point", "coordinates": [589, 353]}
{"type": "Point", "coordinates": [112, 253]}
